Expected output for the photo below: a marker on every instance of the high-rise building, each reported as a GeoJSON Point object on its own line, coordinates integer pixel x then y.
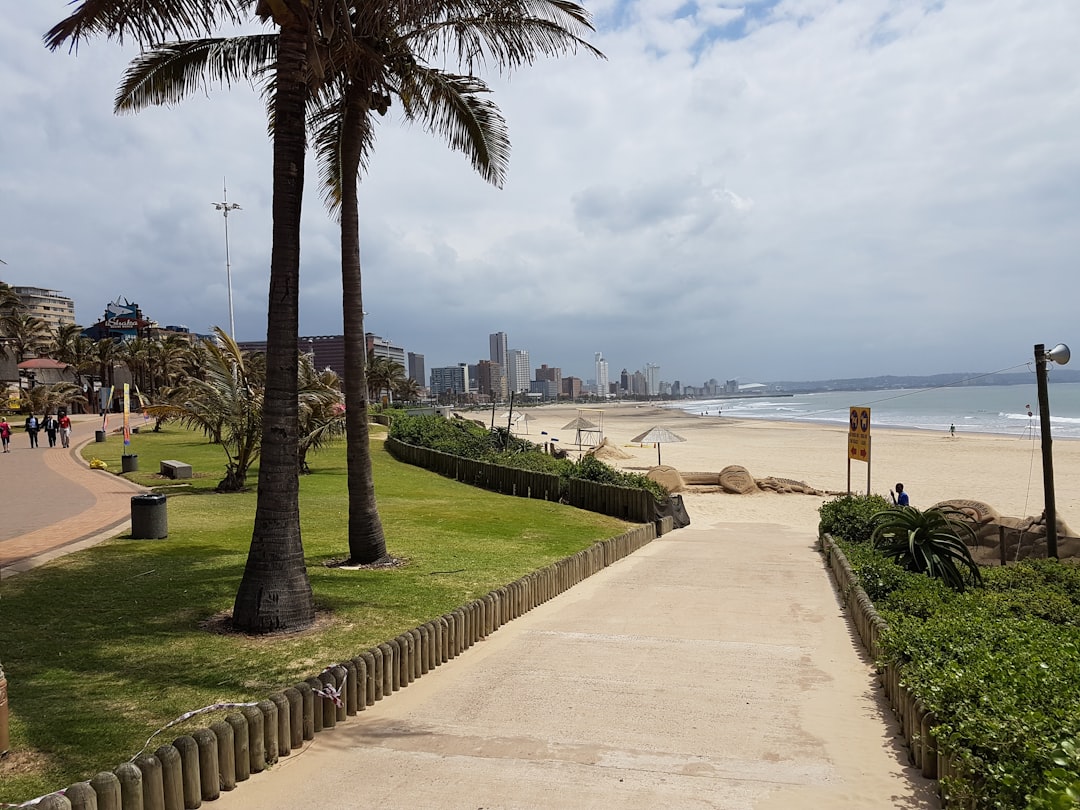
{"type": "Point", "coordinates": [517, 370]}
{"type": "Point", "coordinates": [652, 379]}
{"type": "Point", "coordinates": [490, 380]}
{"type": "Point", "coordinates": [416, 367]}
{"type": "Point", "coordinates": [571, 387]}
{"type": "Point", "coordinates": [384, 348]}
{"type": "Point", "coordinates": [601, 376]}
{"type": "Point", "coordinates": [453, 380]}
{"type": "Point", "coordinates": [497, 344]}
{"type": "Point", "coordinates": [48, 305]}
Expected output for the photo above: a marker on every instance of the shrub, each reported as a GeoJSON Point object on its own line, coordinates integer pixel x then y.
{"type": "Point", "coordinates": [848, 516]}
{"type": "Point", "coordinates": [927, 542]}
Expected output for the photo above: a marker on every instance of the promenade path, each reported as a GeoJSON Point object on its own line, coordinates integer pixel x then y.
{"type": "Point", "coordinates": [53, 503]}
{"type": "Point", "coordinates": [715, 668]}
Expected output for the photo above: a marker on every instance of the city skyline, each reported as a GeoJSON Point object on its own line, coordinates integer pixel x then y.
{"type": "Point", "coordinates": [779, 189]}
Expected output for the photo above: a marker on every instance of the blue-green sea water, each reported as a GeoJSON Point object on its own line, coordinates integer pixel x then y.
{"type": "Point", "coordinates": [1002, 409]}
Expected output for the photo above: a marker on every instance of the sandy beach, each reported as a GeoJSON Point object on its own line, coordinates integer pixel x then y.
{"type": "Point", "coordinates": [1002, 471]}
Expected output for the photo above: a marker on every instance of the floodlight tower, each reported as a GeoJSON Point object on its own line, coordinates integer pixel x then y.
{"type": "Point", "coordinates": [225, 207]}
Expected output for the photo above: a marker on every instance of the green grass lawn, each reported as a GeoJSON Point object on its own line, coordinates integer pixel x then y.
{"type": "Point", "coordinates": [104, 646]}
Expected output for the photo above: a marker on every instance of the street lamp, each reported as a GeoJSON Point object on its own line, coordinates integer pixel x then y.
{"type": "Point", "coordinates": [1059, 354]}
{"type": "Point", "coordinates": [225, 207]}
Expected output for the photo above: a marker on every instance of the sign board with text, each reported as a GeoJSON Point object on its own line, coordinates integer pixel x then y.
{"type": "Point", "coordinates": [859, 435]}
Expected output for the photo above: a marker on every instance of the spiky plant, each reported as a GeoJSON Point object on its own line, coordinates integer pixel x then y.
{"type": "Point", "coordinates": [928, 542]}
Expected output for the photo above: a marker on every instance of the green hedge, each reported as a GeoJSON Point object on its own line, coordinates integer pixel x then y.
{"type": "Point", "coordinates": [998, 666]}
{"type": "Point", "coordinates": [469, 439]}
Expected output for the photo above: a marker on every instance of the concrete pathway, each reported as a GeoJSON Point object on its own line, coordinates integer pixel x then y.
{"type": "Point", "coordinates": [713, 669]}
{"type": "Point", "coordinates": [53, 503]}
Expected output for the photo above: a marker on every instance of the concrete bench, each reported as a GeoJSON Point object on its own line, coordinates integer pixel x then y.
{"type": "Point", "coordinates": [175, 469]}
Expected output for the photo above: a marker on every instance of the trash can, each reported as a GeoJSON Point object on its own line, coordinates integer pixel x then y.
{"type": "Point", "coordinates": [129, 463]}
{"type": "Point", "coordinates": [99, 435]}
{"type": "Point", "coordinates": [149, 518]}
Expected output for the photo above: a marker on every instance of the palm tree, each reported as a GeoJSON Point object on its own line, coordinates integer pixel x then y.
{"type": "Point", "coordinates": [322, 411]}
{"type": "Point", "coordinates": [48, 397]}
{"type": "Point", "coordinates": [27, 334]}
{"type": "Point", "coordinates": [275, 592]}
{"type": "Point", "coordinates": [227, 405]}
{"type": "Point", "coordinates": [408, 390]}
{"type": "Point", "coordinates": [395, 62]}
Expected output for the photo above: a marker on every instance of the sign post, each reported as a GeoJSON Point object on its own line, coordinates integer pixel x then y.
{"type": "Point", "coordinates": [859, 442]}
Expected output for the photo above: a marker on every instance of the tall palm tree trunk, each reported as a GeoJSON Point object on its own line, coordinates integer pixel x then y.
{"type": "Point", "coordinates": [367, 543]}
{"type": "Point", "coordinates": [275, 592]}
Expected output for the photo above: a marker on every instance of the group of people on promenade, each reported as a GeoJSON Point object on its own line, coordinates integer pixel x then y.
{"type": "Point", "coordinates": [53, 424]}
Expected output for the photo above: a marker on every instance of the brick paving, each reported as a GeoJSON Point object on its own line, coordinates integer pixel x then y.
{"type": "Point", "coordinates": [53, 503]}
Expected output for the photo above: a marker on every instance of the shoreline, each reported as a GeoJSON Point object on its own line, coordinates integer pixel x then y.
{"type": "Point", "coordinates": [1000, 470]}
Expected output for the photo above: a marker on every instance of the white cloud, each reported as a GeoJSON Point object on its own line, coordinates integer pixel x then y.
{"type": "Point", "coordinates": [783, 190]}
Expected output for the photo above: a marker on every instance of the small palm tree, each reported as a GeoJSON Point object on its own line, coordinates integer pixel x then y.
{"type": "Point", "coordinates": [322, 408]}
{"type": "Point", "coordinates": [928, 542]}
{"type": "Point", "coordinates": [227, 405]}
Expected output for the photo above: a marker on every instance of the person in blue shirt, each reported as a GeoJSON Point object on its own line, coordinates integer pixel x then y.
{"type": "Point", "coordinates": [900, 498]}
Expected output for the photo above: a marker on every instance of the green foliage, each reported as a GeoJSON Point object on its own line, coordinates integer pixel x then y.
{"type": "Point", "coordinates": [927, 542]}
{"type": "Point", "coordinates": [998, 666]}
{"type": "Point", "coordinates": [848, 516]}
{"type": "Point", "coordinates": [470, 439]}
{"type": "Point", "coordinates": [1061, 789]}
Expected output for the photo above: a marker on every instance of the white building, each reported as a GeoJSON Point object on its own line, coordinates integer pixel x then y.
{"type": "Point", "coordinates": [652, 379]}
{"type": "Point", "coordinates": [602, 387]}
{"type": "Point", "coordinates": [517, 370]}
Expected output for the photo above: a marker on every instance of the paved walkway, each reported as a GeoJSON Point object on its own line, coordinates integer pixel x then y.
{"type": "Point", "coordinates": [714, 668]}
{"type": "Point", "coordinates": [53, 503]}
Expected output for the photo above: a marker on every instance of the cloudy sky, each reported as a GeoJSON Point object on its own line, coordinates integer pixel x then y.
{"type": "Point", "coordinates": [761, 190]}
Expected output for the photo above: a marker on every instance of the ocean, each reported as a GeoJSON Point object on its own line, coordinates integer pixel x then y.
{"type": "Point", "coordinates": [1002, 409]}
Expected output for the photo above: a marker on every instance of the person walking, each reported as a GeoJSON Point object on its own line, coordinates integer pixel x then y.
{"type": "Point", "coordinates": [5, 434]}
{"type": "Point", "coordinates": [32, 428]}
{"type": "Point", "coordinates": [51, 427]}
{"type": "Point", "coordinates": [65, 430]}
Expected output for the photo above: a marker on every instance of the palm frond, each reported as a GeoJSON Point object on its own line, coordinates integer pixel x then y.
{"type": "Point", "coordinates": [146, 23]}
{"type": "Point", "coordinates": [169, 73]}
{"type": "Point", "coordinates": [452, 106]}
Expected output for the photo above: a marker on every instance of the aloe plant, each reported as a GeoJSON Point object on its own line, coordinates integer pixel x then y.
{"type": "Point", "coordinates": [928, 542]}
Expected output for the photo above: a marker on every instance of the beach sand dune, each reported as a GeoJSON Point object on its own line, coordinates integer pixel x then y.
{"type": "Point", "coordinates": [1002, 471]}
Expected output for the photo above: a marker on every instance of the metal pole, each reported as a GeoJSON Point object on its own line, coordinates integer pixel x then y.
{"type": "Point", "coordinates": [225, 207]}
{"type": "Point", "coordinates": [1047, 454]}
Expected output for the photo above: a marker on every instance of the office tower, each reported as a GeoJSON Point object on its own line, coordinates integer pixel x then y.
{"type": "Point", "coordinates": [601, 376]}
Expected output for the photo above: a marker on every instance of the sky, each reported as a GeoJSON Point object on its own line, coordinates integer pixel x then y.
{"type": "Point", "coordinates": [762, 190]}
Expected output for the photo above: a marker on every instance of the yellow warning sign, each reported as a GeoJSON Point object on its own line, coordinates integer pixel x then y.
{"type": "Point", "coordinates": [859, 434]}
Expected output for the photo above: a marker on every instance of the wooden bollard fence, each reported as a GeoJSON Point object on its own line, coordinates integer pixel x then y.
{"type": "Point", "coordinates": [313, 684]}
{"type": "Point", "coordinates": [131, 787]}
{"type": "Point", "coordinates": [226, 750]}
{"type": "Point", "coordinates": [153, 791]}
{"type": "Point", "coordinates": [253, 716]}
{"type": "Point", "coordinates": [377, 672]}
{"type": "Point", "coordinates": [368, 658]}
{"type": "Point", "coordinates": [324, 706]}
{"type": "Point", "coordinates": [283, 714]}
{"type": "Point", "coordinates": [296, 717]}
{"type": "Point", "coordinates": [387, 667]}
{"type": "Point", "coordinates": [190, 789]}
{"type": "Point", "coordinates": [54, 801]}
{"type": "Point", "coordinates": [107, 790]}
{"type": "Point", "coordinates": [241, 746]}
{"type": "Point", "coordinates": [271, 730]}
{"type": "Point", "coordinates": [426, 649]}
{"type": "Point", "coordinates": [172, 777]}
{"type": "Point", "coordinates": [352, 687]}
{"type": "Point", "coordinates": [81, 796]}
{"type": "Point", "coordinates": [209, 764]}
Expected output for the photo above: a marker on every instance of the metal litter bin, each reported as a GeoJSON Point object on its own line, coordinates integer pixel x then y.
{"type": "Point", "coordinates": [129, 463]}
{"type": "Point", "coordinates": [99, 435]}
{"type": "Point", "coordinates": [149, 518]}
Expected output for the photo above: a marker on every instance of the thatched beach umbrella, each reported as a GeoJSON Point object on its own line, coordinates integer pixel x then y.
{"type": "Point", "coordinates": [582, 425]}
{"type": "Point", "coordinates": [658, 435]}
